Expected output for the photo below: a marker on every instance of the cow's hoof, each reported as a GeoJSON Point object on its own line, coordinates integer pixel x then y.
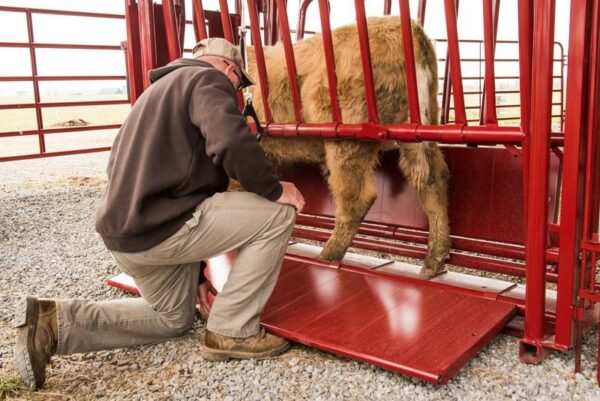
{"type": "Point", "coordinates": [432, 268]}
{"type": "Point", "coordinates": [330, 255]}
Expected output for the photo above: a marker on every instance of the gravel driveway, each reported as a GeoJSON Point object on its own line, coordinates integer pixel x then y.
{"type": "Point", "coordinates": [48, 247]}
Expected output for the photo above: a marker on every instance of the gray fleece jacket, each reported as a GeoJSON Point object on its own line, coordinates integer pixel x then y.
{"type": "Point", "coordinates": [182, 141]}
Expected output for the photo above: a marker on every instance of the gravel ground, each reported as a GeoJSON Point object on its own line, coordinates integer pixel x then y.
{"type": "Point", "coordinates": [48, 247]}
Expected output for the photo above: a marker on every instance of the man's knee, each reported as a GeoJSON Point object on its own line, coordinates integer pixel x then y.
{"type": "Point", "coordinates": [179, 325]}
{"type": "Point", "coordinates": [287, 215]}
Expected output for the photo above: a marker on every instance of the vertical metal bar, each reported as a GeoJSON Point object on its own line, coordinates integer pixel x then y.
{"type": "Point", "coordinates": [525, 17]}
{"type": "Point", "coordinates": [173, 49]}
{"type": "Point", "coordinates": [454, 60]}
{"type": "Point", "coordinates": [572, 181]}
{"type": "Point", "coordinates": [36, 85]}
{"type": "Point", "coordinates": [134, 64]}
{"type": "Point", "coordinates": [539, 154]}
{"type": "Point", "coordinates": [421, 12]}
{"type": "Point", "coordinates": [387, 7]}
{"type": "Point", "coordinates": [329, 60]}
{"type": "Point", "coordinates": [481, 88]}
{"type": "Point", "coordinates": [199, 20]}
{"type": "Point", "coordinates": [447, 92]}
{"type": "Point", "coordinates": [302, 20]}
{"type": "Point", "coordinates": [489, 36]}
{"type": "Point", "coordinates": [590, 210]}
{"type": "Point", "coordinates": [482, 100]}
{"type": "Point", "coordinates": [409, 63]}
{"type": "Point", "coordinates": [147, 40]}
{"type": "Point", "coordinates": [226, 20]}
{"type": "Point", "coordinates": [271, 31]}
{"type": "Point", "coordinates": [228, 32]}
{"type": "Point", "coordinates": [525, 48]}
{"type": "Point", "coordinates": [562, 86]}
{"type": "Point", "coordinates": [289, 59]}
{"type": "Point", "coordinates": [179, 12]}
{"type": "Point", "coordinates": [260, 58]}
{"type": "Point", "coordinates": [365, 53]}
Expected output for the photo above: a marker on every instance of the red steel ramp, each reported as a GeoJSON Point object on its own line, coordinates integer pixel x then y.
{"type": "Point", "coordinates": [400, 323]}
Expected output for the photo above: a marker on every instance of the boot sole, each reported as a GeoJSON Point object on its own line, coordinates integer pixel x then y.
{"type": "Point", "coordinates": [217, 355]}
{"type": "Point", "coordinates": [24, 322]}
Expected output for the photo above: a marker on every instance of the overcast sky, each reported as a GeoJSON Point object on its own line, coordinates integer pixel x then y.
{"type": "Point", "coordinates": [57, 29]}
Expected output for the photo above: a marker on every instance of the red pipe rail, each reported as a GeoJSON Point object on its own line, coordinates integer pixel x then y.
{"type": "Point", "coordinates": [447, 91]}
{"type": "Point", "coordinates": [489, 32]}
{"type": "Point", "coordinates": [225, 20]}
{"type": "Point", "coordinates": [302, 19]}
{"type": "Point", "coordinates": [134, 71]}
{"type": "Point", "coordinates": [260, 58]}
{"type": "Point", "coordinates": [174, 49]}
{"type": "Point", "coordinates": [367, 68]}
{"type": "Point", "coordinates": [38, 105]}
{"type": "Point", "coordinates": [531, 348]}
{"type": "Point", "coordinates": [572, 190]}
{"type": "Point", "coordinates": [198, 20]}
{"type": "Point", "coordinates": [454, 61]}
{"type": "Point", "coordinates": [289, 59]}
{"type": "Point", "coordinates": [591, 190]}
{"type": "Point", "coordinates": [409, 57]}
{"type": "Point", "coordinates": [329, 60]}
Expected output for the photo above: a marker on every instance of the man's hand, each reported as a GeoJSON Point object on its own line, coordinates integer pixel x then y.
{"type": "Point", "coordinates": [291, 196]}
{"type": "Point", "coordinates": [202, 304]}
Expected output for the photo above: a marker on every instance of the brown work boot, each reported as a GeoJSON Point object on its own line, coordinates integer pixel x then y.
{"type": "Point", "coordinates": [261, 345]}
{"type": "Point", "coordinates": [37, 326]}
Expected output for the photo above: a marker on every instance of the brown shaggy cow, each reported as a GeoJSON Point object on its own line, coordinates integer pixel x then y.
{"type": "Point", "coordinates": [347, 164]}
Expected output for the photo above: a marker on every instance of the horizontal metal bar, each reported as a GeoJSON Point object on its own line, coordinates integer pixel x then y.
{"type": "Point", "coordinates": [65, 78]}
{"type": "Point", "coordinates": [557, 90]}
{"type": "Point", "coordinates": [472, 78]}
{"type": "Point", "coordinates": [466, 260]}
{"type": "Point", "coordinates": [406, 132]}
{"type": "Point", "coordinates": [590, 246]}
{"type": "Point", "coordinates": [62, 104]}
{"type": "Point", "coordinates": [501, 106]}
{"type": "Point", "coordinates": [61, 12]}
{"type": "Point", "coordinates": [513, 251]}
{"type": "Point", "coordinates": [481, 60]}
{"type": "Point", "coordinates": [59, 46]}
{"type": "Point", "coordinates": [61, 130]}
{"type": "Point", "coordinates": [514, 42]}
{"type": "Point", "coordinates": [52, 154]}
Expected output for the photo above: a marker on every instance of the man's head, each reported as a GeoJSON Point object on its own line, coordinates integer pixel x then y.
{"type": "Point", "coordinates": [226, 58]}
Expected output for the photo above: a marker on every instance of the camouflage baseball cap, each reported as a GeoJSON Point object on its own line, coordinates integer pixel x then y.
{"type": "Point", "coordinates": [222, 48]}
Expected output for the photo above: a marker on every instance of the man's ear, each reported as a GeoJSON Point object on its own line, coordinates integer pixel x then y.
{"type": "Point", "coordinates": [229, 69]}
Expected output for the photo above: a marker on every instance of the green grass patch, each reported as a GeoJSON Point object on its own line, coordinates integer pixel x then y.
{"type": "Point", "coordinates": [9, 386]}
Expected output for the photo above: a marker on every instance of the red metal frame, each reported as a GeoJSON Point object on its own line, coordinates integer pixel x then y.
{"type": "Point", "coordinates": [38, 105]}
{"type": "Point", "coordinates": [531, 347]}
{"type": "Point", "coordinates": [571, 212]}
{"type": "Point", "coordinates": [533, 137]}
{"type": "Point", "coordinates": [577, 233]}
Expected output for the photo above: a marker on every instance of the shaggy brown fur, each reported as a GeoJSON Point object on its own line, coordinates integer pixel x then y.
{"type": "Point", "coordinates": [348, 165]}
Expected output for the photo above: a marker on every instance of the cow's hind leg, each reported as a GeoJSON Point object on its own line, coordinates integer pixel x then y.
{"type": "Point", "coordinates": [424, 167]}
{"type": "Point", "coordinates": [352, 183]}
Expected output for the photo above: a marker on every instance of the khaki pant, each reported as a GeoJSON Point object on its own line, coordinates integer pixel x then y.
{"type": "Point", "coordinates": [167, 277]}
